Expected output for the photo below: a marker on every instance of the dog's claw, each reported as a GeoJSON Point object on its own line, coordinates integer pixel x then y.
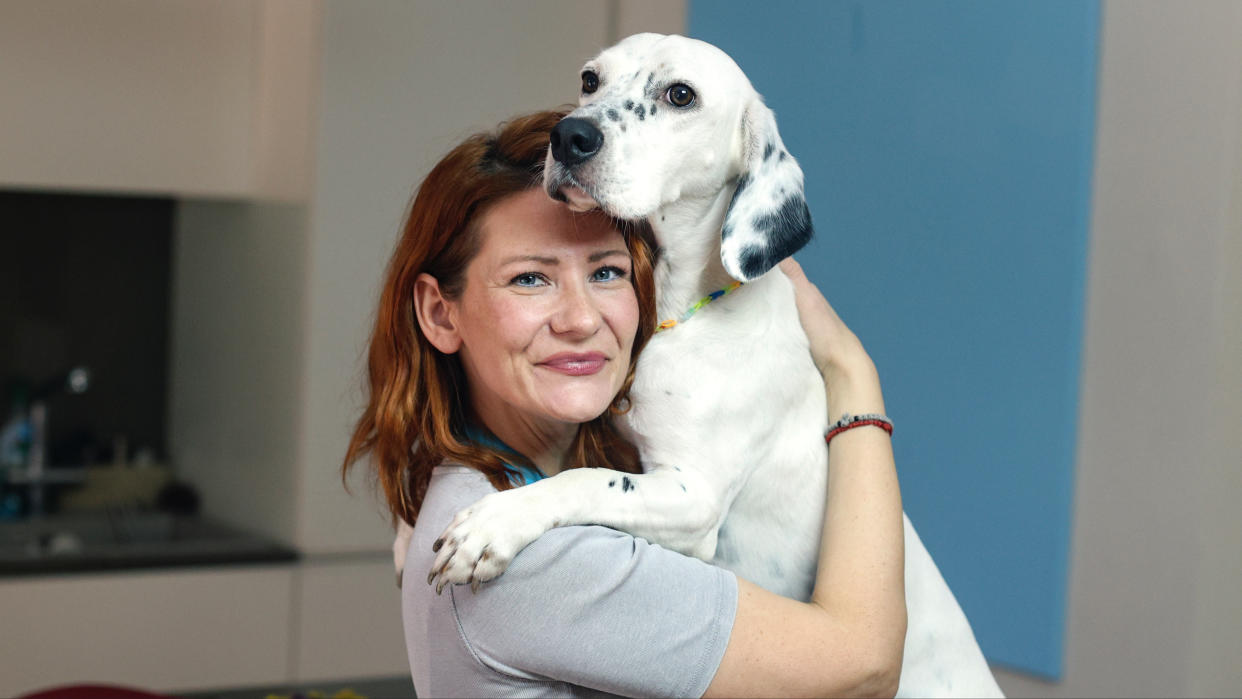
{"type": "Point", "coordinates": [474, 586]}
{"type": "Point", "coordinates": [431, 576]}
{"type": "Point", "coordinates": [436, 546]}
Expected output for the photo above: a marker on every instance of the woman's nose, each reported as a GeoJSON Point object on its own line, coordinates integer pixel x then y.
{"type": "Point", "coordinates": [577, 314]}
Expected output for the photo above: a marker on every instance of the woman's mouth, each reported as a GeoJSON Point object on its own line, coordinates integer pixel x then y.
{"type": "Point", "coordinates": [575, 364]}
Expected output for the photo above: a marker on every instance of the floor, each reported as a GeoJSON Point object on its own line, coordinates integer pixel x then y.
{"type": "Point", "coordinates": [371, 688]}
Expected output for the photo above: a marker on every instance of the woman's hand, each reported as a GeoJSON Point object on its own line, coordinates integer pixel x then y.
{"type": "Point", "coordinates": [837, 351]}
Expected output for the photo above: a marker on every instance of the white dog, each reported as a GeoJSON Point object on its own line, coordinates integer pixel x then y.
{"type": "Point", "coordinates": [729, 412]}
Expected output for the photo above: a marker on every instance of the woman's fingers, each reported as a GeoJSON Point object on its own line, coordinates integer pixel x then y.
{"type": "Point", "coordinates": [832, 343]}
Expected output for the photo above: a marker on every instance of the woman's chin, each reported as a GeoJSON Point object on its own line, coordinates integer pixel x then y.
{"type": "Point", "coordinates": [580, 400]}
{"type": "Point", "coordinates": [578, 408]}
{"type": "Point", "coordinates": [579, 414]}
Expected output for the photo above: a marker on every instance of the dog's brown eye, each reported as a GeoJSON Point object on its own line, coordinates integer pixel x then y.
{"type": "Point", "coordinates": [590, 82]}
{"type": "Point", "coordinates": [680, 95]}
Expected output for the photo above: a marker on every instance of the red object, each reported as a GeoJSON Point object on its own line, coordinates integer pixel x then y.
{"type": "Point", "coordinates": [94, 691]}
{"type": "Point", "coordinates": [886, 426]}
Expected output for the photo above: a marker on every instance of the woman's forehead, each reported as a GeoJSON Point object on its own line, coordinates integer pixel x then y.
{"type": "Point", "coordinates": [532, 224]}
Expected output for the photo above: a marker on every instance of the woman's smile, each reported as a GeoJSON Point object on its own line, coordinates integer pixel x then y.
{"type": "Point", "coordinates": [575, 364]}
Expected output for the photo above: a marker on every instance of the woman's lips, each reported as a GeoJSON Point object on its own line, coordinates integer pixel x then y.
{"type": "Point", "coordinates": [574, 364]}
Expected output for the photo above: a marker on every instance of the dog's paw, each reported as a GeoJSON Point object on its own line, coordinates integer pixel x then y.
{"type": "Point", "coordinates": [482, 540]}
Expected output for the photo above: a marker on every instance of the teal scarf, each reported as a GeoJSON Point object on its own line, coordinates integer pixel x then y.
{"type": "Point", "coordinates": [522, 475]}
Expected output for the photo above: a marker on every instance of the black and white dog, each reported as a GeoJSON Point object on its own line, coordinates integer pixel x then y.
{"type": "Point", "coordinates": [729, 412]}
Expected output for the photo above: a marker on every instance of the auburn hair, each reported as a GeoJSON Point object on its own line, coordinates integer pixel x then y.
{"type": "Point", "coordinates": [417, 405]}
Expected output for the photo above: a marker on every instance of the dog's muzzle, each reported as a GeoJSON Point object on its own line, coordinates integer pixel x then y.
{"type": "Point", "coordinates": [573, 141]}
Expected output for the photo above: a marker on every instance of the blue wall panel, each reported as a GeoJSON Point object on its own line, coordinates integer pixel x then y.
{"type": "Point", "coordinates": [948, 154]}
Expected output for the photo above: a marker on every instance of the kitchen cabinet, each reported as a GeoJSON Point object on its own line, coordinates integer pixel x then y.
{"type": "Point", "coordinates": [204, 628]}
{"type": "Point", "coordinates": [166, 630]}
{"type": "Point", "coordinates": [143, 96]}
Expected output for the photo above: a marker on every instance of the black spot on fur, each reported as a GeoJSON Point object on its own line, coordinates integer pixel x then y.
{"type": "Point", "coordinates": [683, 487]}
{"type": "Point", "coordinates": [768, 150]}
{"type": "Point", "coordinates": [613, 115]}
{"type": "Point", "coordinates": [611, 483]}
{"type": "Point", "coordinates": [653, 108]}
{"type": "Point", "coordinates": [640, 112]}
{"type": "Point", "coordinates": [622, 127]}
{"type": "Point", "coordinates": [650, 79]}
{"type": "Point", "coordinates": [629, 105]}
{"type": "Point", "coordinates": [626, 484]}
{"type": "Point", "coordinates": [783, 155]}
{"type": "Point", "coordinates": [786, 230]}
{"type": "Point", "coordinates": [742, 183]}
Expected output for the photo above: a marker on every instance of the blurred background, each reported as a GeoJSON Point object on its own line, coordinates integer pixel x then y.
{"type": "Point", "coordinates": [1030, 212]}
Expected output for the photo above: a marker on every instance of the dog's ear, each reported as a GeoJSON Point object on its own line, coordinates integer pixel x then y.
{"type": "Point", "coordinates": [768, 219]}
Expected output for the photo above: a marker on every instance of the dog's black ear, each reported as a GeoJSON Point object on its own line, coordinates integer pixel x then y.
{"type": "Point", "coordinates": [768, 219]}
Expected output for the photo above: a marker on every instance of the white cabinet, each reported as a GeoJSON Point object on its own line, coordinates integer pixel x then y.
{"type": "Point", "coordinates": [156, 630]}
{"type": "Point", "coordinates": [204, 628]}
{"type": "Point", "coordinates": [349, 620]}
{"type": "Point", "coordinates": [152, 97]}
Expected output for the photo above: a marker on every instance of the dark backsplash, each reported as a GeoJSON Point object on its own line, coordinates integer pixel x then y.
{"type": "Point", "coordinates": [85, 280]}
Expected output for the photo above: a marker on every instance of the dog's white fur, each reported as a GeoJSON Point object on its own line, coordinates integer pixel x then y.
{"type": "Point", "coordinates": [728, 408]}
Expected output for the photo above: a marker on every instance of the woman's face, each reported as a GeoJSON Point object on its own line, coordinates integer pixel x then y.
{"type": "Point", "coordinates": [548, 315]}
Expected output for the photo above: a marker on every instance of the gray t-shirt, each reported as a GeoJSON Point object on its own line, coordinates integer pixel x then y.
{"type": "Point", "coordinates": [582, 611]}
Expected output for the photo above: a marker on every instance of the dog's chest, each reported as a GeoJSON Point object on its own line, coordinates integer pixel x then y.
{"type": "Point", "coordinates": [733, 393]}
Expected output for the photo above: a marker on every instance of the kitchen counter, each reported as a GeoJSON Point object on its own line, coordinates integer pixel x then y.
{"type": "Point", "coordinates": [129, 540]}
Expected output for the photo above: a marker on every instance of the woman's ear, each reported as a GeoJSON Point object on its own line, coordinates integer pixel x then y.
{"type": "Point", "coordinates": [436, 314]}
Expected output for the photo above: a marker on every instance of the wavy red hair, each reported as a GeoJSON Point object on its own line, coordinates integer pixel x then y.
{"type": "Point", "coordinates": [417, 407]}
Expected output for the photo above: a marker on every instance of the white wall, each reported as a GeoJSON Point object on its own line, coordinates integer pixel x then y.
{"type": "Point", "coordinates": [1156, 565]}
{"type": "Point", "coordinates": [236, 391]}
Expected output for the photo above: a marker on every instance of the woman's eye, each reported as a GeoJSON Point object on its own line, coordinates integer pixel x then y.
{"type": "Point", "coordinates": [528, 279]}
{"type": "Point", "coordinates": [608, 274]}
{"type": "Point", "coordinates": [590, 82]}
{"type": "Point", "coordinates": [680, 95]}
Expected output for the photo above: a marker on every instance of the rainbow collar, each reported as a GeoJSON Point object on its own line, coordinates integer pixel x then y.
{"type": "Point", "coordinates": [670, 324]}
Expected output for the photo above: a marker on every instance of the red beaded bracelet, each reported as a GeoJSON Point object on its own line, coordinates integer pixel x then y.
{"type": "Point", "coordinates": [849, 422]}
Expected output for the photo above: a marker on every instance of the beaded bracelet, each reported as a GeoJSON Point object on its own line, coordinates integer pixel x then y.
{"type": "Point", "coordinates": [849, 422]}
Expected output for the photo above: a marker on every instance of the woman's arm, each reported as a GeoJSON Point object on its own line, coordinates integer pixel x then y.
{"type": "Point", "coordinates": [848, 639]}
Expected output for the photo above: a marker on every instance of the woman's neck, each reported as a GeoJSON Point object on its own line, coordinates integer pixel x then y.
{"type": "Point", "coordinates": [546, 445]}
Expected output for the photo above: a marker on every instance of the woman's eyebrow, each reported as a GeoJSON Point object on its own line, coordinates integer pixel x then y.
{"type": "Point", "coordinates": [596, 257]}
{"type": "Point", "coordinates": [544, 260]}
{"type": "Point", "coordinates": [529, 258]}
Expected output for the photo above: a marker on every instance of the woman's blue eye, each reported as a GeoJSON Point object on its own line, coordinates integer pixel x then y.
{"type": "Point", "coordinates": [527, 279]}
{"type": "Point", "coordinates": [608, 274]}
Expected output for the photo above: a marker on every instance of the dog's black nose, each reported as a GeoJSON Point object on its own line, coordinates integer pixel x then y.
{"type": "Point", "coordinates": [575, 140]}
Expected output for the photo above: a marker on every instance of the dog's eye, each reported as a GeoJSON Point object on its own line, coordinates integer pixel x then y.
{"type": "Point", "coordinates": [590, 82]}
{"type": "Point", "coordinates": [680, 95]}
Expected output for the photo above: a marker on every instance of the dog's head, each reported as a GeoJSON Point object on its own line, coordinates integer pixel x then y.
{"type": "Point", "coordinates": [666, 118]}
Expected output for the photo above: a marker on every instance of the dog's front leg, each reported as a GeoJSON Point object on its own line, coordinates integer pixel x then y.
{"type": "Point", "coordinates": [674, 509]}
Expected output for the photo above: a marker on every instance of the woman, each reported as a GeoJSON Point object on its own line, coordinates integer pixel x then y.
{"type": "Point", "coordinates": [507, 335]}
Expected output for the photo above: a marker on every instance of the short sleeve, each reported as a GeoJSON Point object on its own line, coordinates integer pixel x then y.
{"type": "Point", "coordinates": [599, 608]}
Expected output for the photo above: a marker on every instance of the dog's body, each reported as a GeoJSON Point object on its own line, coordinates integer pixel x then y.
{"type": "Point", "coordinates": [728, 409]}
